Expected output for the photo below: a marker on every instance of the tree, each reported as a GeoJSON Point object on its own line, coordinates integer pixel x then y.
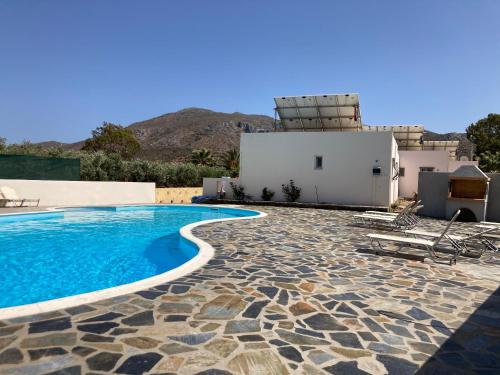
{"type": "Point", "coordinates": [3, 143]}
{"type": "Point", "coordinates": [113, 139]}
{"type": "Point", "coordinates": [489, 162]}
{"type": "Point", "coordinates": [231, 161]}
{"type": "Point", "coordinates": [202, 157]}
{"type": "Point", "coordinates": [485, 134]}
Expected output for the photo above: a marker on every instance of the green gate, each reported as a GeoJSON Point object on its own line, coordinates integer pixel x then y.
{"type": "Point", "coordinates": [28, 167]}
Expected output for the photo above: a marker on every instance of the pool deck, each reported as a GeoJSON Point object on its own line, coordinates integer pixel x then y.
{"type": "Point", "coordinates": [299, 291]}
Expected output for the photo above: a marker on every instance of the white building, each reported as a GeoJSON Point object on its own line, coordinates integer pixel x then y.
{"type": "Point", "coordinates": [330, 167]}
{"type": "Point", "coordinates": [322, 145]}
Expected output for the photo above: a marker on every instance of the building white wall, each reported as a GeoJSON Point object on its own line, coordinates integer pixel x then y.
{"type": "Point", "coordinates": [82, 193]}
{"type": "Point", "coordinates": [412, 161]}
{"type": "Point", "coordinates": [272, 159]}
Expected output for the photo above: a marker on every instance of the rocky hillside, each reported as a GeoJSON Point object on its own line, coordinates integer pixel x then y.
{"type": "Point", "coordinates": [174, 135]}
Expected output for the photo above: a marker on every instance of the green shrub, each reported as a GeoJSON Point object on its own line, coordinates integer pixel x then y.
{"type": "Point", "coordinates": [168, 175]}
{"type": "Point", "coordinates": [114, 167]}
{"type": "Point", "coordinates": [292, 192]}
{"type": "Point", "coordinates": [93, 167]}
{"type": "Point", "coordinates": [186, 175]}
{"type": "Point", "coordinates": [239, 192]}
{"type": "Point", "coordinates": [267, 194]}
{"type": "Point", "coordinates": [207, 171]}
{"type": "Point", "coordinates": [99, 166]}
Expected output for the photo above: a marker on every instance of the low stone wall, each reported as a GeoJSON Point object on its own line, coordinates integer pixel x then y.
{"type": "Point", "coordinates": [177, 195]}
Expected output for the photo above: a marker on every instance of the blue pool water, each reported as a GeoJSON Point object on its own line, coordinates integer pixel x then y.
{"type": "Point", "coordinates": [53, 255]}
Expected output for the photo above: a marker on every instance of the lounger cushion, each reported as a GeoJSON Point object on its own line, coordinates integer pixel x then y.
{"type": "Point", "coordinates": [9, 193]}
{"type": "Point", "coordinates": [378, 213]}
{"type": "Point", "coordinates": [376, 217]}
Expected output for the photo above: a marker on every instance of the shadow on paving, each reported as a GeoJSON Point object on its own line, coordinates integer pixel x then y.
{"type": "Point", "coordinates": [474, 348]}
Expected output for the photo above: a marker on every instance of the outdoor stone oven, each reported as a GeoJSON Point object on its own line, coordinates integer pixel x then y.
{"type": "Point", "coordinates": [468, 191]}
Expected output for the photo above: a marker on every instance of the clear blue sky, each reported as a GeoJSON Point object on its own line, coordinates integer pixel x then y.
{"type": "Point", "coordinates": [66, 66]}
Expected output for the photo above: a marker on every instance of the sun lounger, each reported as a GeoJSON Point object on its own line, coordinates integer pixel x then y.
{"type": "Point", "coordinates": [494, 234]}
{"type": "Point", "coordinates": [493, 237]}
{"type": "Point", "coordinates": [461, 242]}
{"type": "Point", "coordinates": [384, 214]}
{"type": "Point", "coordinates": [9, 195]}
{"type": "Point", "coordinates": [405, 219]}
{"type": "Point", "coordinates": [429, 245]}
{"type": "Point", "coordinates": [490, 223]}
{"type": "Point", "coordinates": [410, 206]}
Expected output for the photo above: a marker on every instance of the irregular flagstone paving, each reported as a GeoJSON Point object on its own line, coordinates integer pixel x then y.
{"type": "Point", "coordinates": [299, 291]}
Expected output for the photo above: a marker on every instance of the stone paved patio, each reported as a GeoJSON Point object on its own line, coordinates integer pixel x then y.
{"type": "Point", "coordinates": [299, 291]}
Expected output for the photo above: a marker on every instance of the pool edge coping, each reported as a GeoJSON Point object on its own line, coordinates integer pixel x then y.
{"type": "Point", "coordinates": [205, 253]}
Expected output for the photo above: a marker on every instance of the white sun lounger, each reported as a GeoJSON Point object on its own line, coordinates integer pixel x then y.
{"type": "Point", "coordinates": [490, 223]}
{"type": "Point", "coordinates": [402, 220]}
{"type": "Point", "coordinates": [412, 211]}
{"type": "Point", "coordinates": [380, 213]}
{"type": "Point", "coordinates": [495, 233]}
{"type": "Point", "coordinates": [460, 242]}
{"type": "Point", "coordinates": [429, 245]}
{"type": "Point", "coordinates": [9, 195]}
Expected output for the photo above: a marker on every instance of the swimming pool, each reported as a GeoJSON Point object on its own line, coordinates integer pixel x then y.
{"type": "Point", "coordinates": [58, 254]}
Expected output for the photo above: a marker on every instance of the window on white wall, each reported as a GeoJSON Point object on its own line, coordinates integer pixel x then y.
{"type": "Point", "coordinates": [318, 162]}
{"type": "Point", "coordinates": [427, 169]}
{"type": "Point", "coordinates": [401, 172]}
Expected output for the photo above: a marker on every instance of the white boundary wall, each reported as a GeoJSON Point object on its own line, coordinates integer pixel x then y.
{"type": "Point", "coordinates": [211, 186]}
{"type": "Point", "coordinates": [83, 193]}
{"type": "Point", "coordinates": [271, 159]}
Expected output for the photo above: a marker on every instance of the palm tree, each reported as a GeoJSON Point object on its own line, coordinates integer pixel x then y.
{"type": "Point", "coordinates": [231, 161]}
{"type": "Point", "coordinates": [202, 157]}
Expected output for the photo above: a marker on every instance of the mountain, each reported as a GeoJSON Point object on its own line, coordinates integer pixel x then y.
{"type": "Point", "coordinates": [173, 136]}
{"type": "Point", "coordinates": [49, 144]}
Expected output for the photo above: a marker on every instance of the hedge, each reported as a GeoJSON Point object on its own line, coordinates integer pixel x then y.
{"type": "Point", "coordinates": [98, 166]}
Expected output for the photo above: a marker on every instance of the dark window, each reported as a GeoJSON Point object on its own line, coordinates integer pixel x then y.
{"type": "Point", "coordinates": [427, 169]}
{"type": "Point", "coordinates": [401, 172]}
{"type": "Point", "coordinates": [318, 162]}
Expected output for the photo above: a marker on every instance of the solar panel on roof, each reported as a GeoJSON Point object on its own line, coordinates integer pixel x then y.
{"type": "Point", "coordinates": [450, 146]}
{"type": "Point", "coordinates": [338, 112]}
{"type": "Point", "coordinates": [408, 137]}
